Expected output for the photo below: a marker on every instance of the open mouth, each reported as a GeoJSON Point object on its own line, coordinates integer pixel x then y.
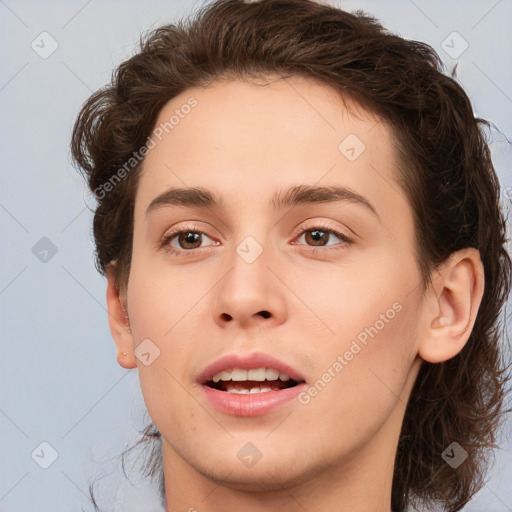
{"type": "Point", "coordinates": [250, 385]}
{"type": "Point", "coordinates": [245, 382]}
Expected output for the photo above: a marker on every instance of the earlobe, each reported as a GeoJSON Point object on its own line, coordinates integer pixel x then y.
{"type": "Point", "coordinates": [126, 360]}
{"type": "Point", "coordinates": [119, 323]}
{"type": "Point", "coordinates": [454, 299]}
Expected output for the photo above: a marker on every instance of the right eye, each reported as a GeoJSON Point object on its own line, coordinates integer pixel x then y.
{"type": "Point", "coordinates": [183, 241]}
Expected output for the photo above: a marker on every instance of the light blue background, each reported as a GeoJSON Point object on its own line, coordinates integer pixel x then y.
{"type": "Point", "coordinates": [59, 380]}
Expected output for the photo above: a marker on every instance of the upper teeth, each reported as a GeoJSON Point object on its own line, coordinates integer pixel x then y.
{"type": "Point", "coordinates": [257, 374]}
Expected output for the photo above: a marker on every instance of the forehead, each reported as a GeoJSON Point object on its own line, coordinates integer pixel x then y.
{"type": "Point", "coordinates": [248, 139]}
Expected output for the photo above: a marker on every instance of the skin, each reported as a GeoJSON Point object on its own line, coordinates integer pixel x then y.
{"type": "Point", "coordinates": [245, 140]}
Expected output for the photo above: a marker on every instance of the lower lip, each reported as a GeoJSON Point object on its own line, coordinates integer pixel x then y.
{"type": "Point", "coordinates": [252, 404]}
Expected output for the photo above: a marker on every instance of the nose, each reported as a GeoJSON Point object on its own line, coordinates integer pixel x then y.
{"type": "Point", "coordinates": [250, 294]}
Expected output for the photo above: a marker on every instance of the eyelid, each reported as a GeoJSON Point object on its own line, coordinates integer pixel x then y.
{"type": "Point", "coordinates": [325, 226]}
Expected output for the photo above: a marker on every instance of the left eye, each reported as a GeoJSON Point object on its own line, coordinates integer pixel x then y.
{"type": "Point", "coordinates": [319, 235]}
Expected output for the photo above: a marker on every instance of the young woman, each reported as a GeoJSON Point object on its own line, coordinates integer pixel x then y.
{"type": "Point", "coordinates": [299, 223]}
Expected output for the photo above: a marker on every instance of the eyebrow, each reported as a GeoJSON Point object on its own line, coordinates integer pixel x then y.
{"type": "Point", "coordinates": [201, 197]}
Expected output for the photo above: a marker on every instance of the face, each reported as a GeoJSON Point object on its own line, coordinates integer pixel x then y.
{"type": "Point", "coordinates": [319, 288]}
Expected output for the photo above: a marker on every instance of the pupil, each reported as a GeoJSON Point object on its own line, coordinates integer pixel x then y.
{"type": "Point", "coordinates": [315, 235]}
{"type": "Point", "coordinates": [191, 237]}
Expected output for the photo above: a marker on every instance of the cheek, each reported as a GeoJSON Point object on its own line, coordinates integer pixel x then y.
{"type": "Point", "coordinates": [160, 311]}
{"type": "Point", "coordinates": [361, 377]}
{"type": "Point", "coordinates": [357, 302]}
{"type": "Point", "coordinates": [162, 300]}
{"type": "Point", "coordinates": [364, 361]}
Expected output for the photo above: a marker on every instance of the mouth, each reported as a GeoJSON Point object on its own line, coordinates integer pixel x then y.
{"type": "Point", "coordinates": [249, 385]}
{"type": "Point", "coordinates": [248, 382]}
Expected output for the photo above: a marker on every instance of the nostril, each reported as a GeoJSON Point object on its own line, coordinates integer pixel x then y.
{"type": "Point", "coordinates": [264, 314]}
{"type": "Point", "coordinates": [225, 316]}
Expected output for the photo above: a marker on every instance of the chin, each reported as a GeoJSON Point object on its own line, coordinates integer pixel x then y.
{"type": "Point", "coordinates": [269, 475]}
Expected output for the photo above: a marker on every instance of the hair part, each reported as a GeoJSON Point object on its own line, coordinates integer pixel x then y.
{"type": "Point", "coordinates": [444, 168]}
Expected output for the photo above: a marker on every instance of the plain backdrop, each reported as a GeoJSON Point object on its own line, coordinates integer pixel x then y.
{"type": "Point", "coordinates": [60, 384]}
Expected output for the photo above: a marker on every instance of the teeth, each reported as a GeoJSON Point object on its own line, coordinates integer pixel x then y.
{"type": "Point", "coordinates": [254, 374]}
{"type": "Point", "coordinates": [252, 391]}
{"type": "Point", "coordinates": [222, 376]}
{"type": "Point", "coordinates": [238, 375]}
{"type": "Point", "coordinates": [271, 374]}
{"type": "Point", "coordinates": [240, 391]}
{"type": "Point", "coordinates": [257, 374]}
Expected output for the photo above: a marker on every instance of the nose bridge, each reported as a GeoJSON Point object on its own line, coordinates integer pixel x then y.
{"type": "Point", "coordinates": [249, 274]}
{"type": "Point", "coordinates": [251, 240]}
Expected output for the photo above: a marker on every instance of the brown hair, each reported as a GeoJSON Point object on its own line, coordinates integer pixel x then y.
{"type": "Point", "coordinates": [445, 170]}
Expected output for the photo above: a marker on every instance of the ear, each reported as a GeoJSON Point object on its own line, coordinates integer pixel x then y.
{"type": "Point", "coordinates": [119, 323]}
{"type": "Point", "coordinates": [453, 299]}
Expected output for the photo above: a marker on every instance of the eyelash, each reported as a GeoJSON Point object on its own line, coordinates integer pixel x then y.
{"type": "Point", "coordinates": [346, 240]}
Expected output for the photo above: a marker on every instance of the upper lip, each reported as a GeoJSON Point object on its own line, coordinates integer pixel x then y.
{"type": "Point", "coordinates": [246, 362]}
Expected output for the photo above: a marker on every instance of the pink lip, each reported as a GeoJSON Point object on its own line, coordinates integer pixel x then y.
{"type": "Point", "coordinates": [252, 404]}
